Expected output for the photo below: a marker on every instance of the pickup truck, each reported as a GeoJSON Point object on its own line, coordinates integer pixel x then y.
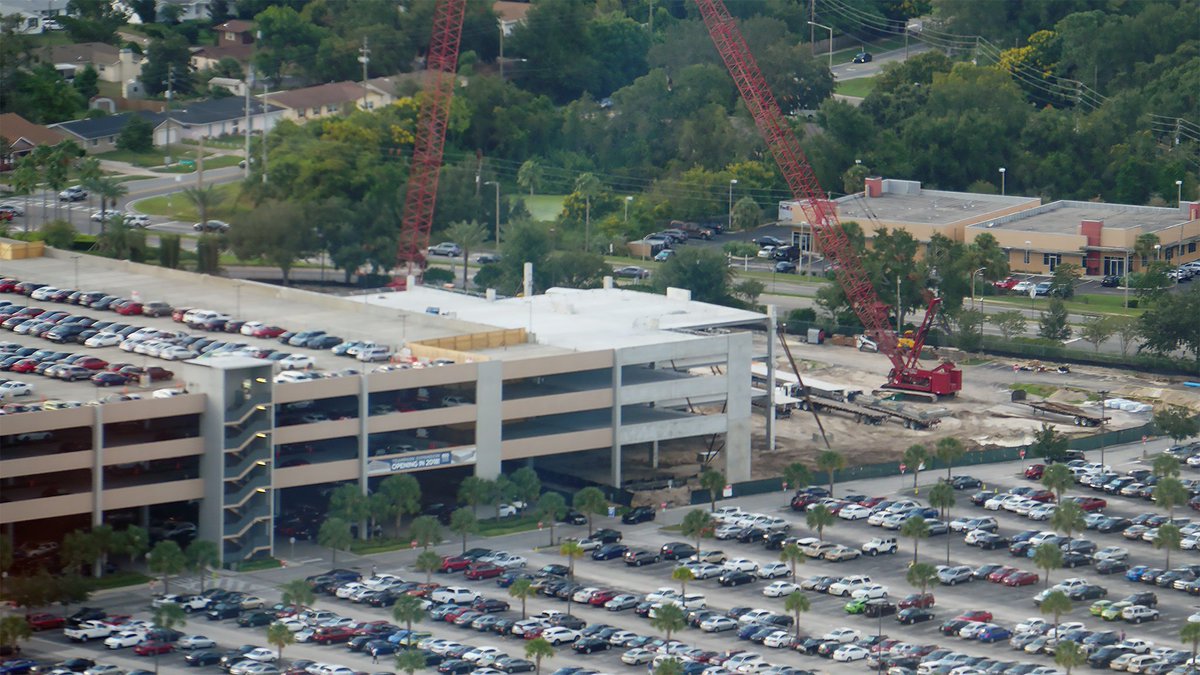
{"type": "Point", "coordinates": [88, 630]}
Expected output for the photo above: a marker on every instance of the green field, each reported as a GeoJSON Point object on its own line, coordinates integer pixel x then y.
{"type": "Point", "coordinates": [544, 207]}
{"type": "Point", "coordinates": [858, 87]}
{"type": "Point", "coordinates": [1080, 304]}
{"type": "Point", "coordinates": [177, 207]}
{"type": "Point", "coordinates": [152, 158]}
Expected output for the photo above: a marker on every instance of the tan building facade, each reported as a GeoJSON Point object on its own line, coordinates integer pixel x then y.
{"type": "Point", "coordinates": [326, 100]}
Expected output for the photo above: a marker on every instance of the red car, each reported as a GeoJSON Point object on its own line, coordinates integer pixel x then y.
{"type": "Point", "coordinates": [1021, 579]}
{"type": "Point", "coordinates": [1035, 471]}
{"type": "Point", "coordinates": [44, 621]}
{"type": "Point", "coordinates": [8, 285]}
{"type": "Point", "coordinates": [268, 332]}
{"type": "Point", "coordinates": [156, 373]}
{"type": "Point", "coordinates": [981, 615]}
{"type": "Point", "coordinates": [484, 571]}
{"type": "Point", "coordinates": [330, 634]}
{"type": "Point", "coordinates": [917, 600]}
{"type": "Point", "coordinates": [1091, 503]}
{"type": "Point", "coordinates": [601, 597]}
{"type": "Point", "coordinates": [1043, 496]}
{"type": "Point", "coordinates": [24, 366]}
{"type": "Point", "coordinates": [455, 563]}
{"type": "Point", "coordinates": [1006, 284]}
{"type": "Point", "coordinates": [92, 363]}
{"type": "Point", "coordinates": [130, 309]}
{"type": "Point", "coordinates": [533, 633]}
{"type": "Point", "coordinates": [453, 614]}
{"type": "Point", "coordinates": [1001, 574]}
{"type": "Point", "coordinates": [153, 648]}
{"type": "Point", "coordinates": [871, 502]}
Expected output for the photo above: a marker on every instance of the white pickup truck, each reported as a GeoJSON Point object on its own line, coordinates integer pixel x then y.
{"type": "Point", "coordinates": [88, 630]}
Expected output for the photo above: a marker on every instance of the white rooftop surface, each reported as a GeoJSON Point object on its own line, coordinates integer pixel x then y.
{"type": "Point", "coordinates": [576, 319]}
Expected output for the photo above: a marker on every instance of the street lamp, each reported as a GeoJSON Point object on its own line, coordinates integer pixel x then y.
{"type": "Point", "coordinates": [627, 200]}
{"type": "Point", "coordinates": [1027, 245]}
{"type": "Point", "coordinates": [497, 184]}
{"type": "Point", "coordinates": [732, 182]}
{"type": "Point", "coordinates": [981, 269]}
{"type": "Point", "coordinates": [1002, 172]}
{"type": "Point", "coordinates": [1156, 249]}
{"type": "Point", "coordinates": [75, 259]}
{"type": "Point", "coordinates": [1103, 418]}
{"type": "Point", "coordinates": [1178, 192]}
{"type": "Point", "coordinates": [814, 23]}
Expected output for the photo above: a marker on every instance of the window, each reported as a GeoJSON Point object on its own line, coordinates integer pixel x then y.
{"type": "Point", "coordinates": [1026, 256]}
{"type": "Point", "coordinates": [1192, 247]}
{"type": "Point", "coordinates": [1114, 266]}
{"type": "Point", "coordinates": [1051, 260]}
{"type": "Point", "coordinates": [316, 110]}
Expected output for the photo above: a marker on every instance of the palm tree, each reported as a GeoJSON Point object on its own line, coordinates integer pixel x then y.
{"type": "Point", "coordinates": [529, 176]}
{"type": "Point", "coordinates": [671, 666]}
{"type": "Point", "coordinates": [538, 649]}
{"type": "Point", "coordinates": [1068, 518]}
{"type": "Point", "coordinates": [1056, 603]}
{"type": "Point", "coordinates": [830, 462]}
{"type": "Point", "coordinates": [522, 589]}
{"type": "Point", "coordinates": [1047, 556]}
{"type": "Point", "coordinates": [1144, 245]}
{"type": "Point", "coordinates": [426, 531]}
{"type": "Point", "coordinates": [696, 524]}
{"type": "Point", "coordinates": [797, 475]}
{"type": "Point", "coordinates": [683, 575]}
{"type": "Point", "coordinates": [1169, 493]}
{"type": "Point", "coordinates": [428, 562]}
{"type": "Point", "coordinates": [591, 502]}
{"type": "Point", "coordinates": [914, 457]}
{"type": "Point", "coordinates": [550, 507]}
{"type": "Point", "coordinates": [1057, 478]}
{"type": "Point", "coordinates": [1069, 655]}
{"type": "Point", "coordinates": [714, 482]}
{"type": "Point", "coordinates": [468, 235]}
{"type": "Point", "coordinates": [588, 186]}
{"type": "Point", "coordinates": [916, 528]}
{"type": "Point", "coordinates": [921, 575]}
{"type": "Point", "coordinates": [464, 522]}
{"type": "Point", "coordinates": [792, 555]}
{"type": "Point", "coordinates": [405, 494]}
{"type": "Point", "coordinates": [1190, 632]}
{"type": "Point", "coordinates": [410, 661]}
{"type": "Point", "coordinates": [941, 497]}
{"type": "Point", "coordinates": [795, 603]}
{"type": "Point", "coordinates": [334, 535]}
{"type": "Point", "coordinates": [13, 630]}
{"type": "Point", "coordinates": [202, 555]}
{"type": "Point", "coordinates": [669, 619]}
{"type": "Point", "coordinates": [203, 198]}
{"type": "Point", "coordinates": [167, 616]}
{"type": "Point", "coordinates": [297, 592]}
{"type": "Point", "coordinates": [572, 551]}
{"type": "Point", "coordinates": [56, 174]}
{"type": "Point", "coordinates": [1167, 538]}
{"type": "Point", "coordinates": [24, 181]}
{"type": "Point", "coordinates": [109, 190]}
{"type": "Point", "coordinates": [278, 636]}
{"type": "Point", "coordinates": [949, 450]}
{"type": "Point", "coordinates": [408, 611]}
{"type": "Point", "coordinates": [819, 517]}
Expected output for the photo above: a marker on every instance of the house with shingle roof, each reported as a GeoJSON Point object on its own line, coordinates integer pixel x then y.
{"type": "Point", "coordinates": [324, 100]}
{"type": "Point", "coordinates": [99, 134]}
{"type": "Point", "coordinates": [111, 64]}
{"type": "Point", "coordinates": [235, 40]}
{"type": "Point", "coordinates": [199, 119]}
{"type": "Point", "coordinates": [21, 136]}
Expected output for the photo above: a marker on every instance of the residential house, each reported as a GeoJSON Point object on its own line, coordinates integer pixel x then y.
{"type": "Point", "coordinates": [218, 117]}
{"type": "Point", "coordinates": [20, 137]}
{"type": "Point", "coordinates": [235, 40]}
{"type": "Point", "coordinates": [324, 100]}
{"type": "Point", "coordinates": [99, 134]}
{"type": "Point", "coordinates": [121, 66]}
{"type": "Point", "coordinates": [511, 14]}
{"type": "Point", "coordinates": [36, 15]}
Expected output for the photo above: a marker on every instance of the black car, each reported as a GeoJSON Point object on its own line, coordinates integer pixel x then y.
{"type": "Point", "coordinates": [568, 621]}
{"type": "Point", "coordinates": [863, 57]}
{"type": "Point", "coordinates": [991, 541]}
{"type": "Point", "coordinates": [256, 619]}
{"type": "Point", "coordinates": [1111, 281]}
{"type": "Point", "coordinates": [981, 497]}
{"type": "Point", "coordinates": [1111, 566]}
{"type": "Point", "coordinates": [773, 541]}
{"type": "Point", "coordinates": [751, 534]}
{"type": "Point", "coordinates": [913, 615]}
{"type": "Point", "coordinates": [965, 482]}
{"type": "Point", "coordinates": [641, 514]}
{"type": "Point", "coordinates": [489, 605]}
{"type": "Point", "coordinates": [609, 552]}
{"type": "Point", "coordinates": [1019, 549]}
{"type": "Point", "coordinates": [1106, 655]}
{"type": "Point", "coordinates": [456, 667]}
{"type": "Point", "coordinates": [202, 658]}
{"type": "Point", "coordinates": [769, 241]}
{"type": "Point", "coordinates": [1112, 524]}
{"type": "Point", "coordinates": [1076, 559]}
{"type": "Point", "coordinates": [735, 578]}
{"type": "Point", "coordinates": [224, 610]}
{"type": "Point", "coordinates": [877, 608]}
{"type": "Point", "coordinates": [591, 644]}
{"type": "Point", "coordinates": [606, 536]}
{"type": "Point", "coordinates": [1147, 598]}
{"type": "Point", "coordinates": [1088, 592]}
{"type": "Point", "coordinates": [574, 517]}
{"type": "Point", "coordinates": [677, 550]}
{"type": "Point", "coordinates": [553, 570]}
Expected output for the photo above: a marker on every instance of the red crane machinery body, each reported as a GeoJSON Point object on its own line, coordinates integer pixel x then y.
{"type": "Point", "coordinates": [441, 67]}
{"type": "Point", "coordinates": [944, 379]}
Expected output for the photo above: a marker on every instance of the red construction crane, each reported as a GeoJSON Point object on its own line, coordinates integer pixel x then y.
{"type": "Point", "coordinates": [943, 379]}
{"type": "Point", "coordinates": [441, 67]}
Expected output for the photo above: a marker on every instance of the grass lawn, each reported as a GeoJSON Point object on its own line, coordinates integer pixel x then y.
{"type": "Point", "coordinates": [177, 207]}
{"type": "Point", "coordinates": [1043, 390]}
{"type": "Point", "coordinates": [218, 162]}
{"type": "Point", "coordinates": [544, 207]}
{"type": "Point", "coordinates": [1080, 304]}
{"type": "Point", "coordinates": [859, 87]}
{"type": "Point", "coordinates": [154, 157]}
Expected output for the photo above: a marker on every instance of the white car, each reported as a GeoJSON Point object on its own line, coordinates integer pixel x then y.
{"type": "Point", "coordinates": [754, 616]}
{"type": "Point", "coordinates": [843, 635]}
{"type": "Point", "coordinates": [778, 640]}
{"type": "Point", "coordinates": [15, 388]}
{"type": "Point", "coordinates": [262, 655]}
{"type": "Point", "coordinates": [725, 513]}
{"type": "Point", "coordinates": [482, 655]}
{"type": "Point", "coordinates": [1042, 511]}
{"type": "Point", "coordinates": [854, 512]}
{"type": "Point", "coordinates": [195, 642]}
{"type": "Point", "coordinates": [296, 362]}
{"type": "Point", "coordinates": [741, 565]}
{"type": "Point", "coordinates": [774, 570]}
{"type": "Point", "coordinates": [1033, 624]}
{"type": "Point", "coordinates": [1111, 553]}
{"type": "Point", "coordinates": [727, 531]}
{"type": "Point", "coordinates": [1139, 613]}
{"type": "Point", "coordinates": [870, 592]}
{"type": "Point", "coordinates": [177, 353]}
{"type": "Point", "coordinates": [974, 536]}
{"type": "Point", "coordinates": [111, 214]}
{"type": "Point", "coordinates": [137, 220]}
{"type": "Point", "coordinates": [850, 653]}
{"type": "Point", "coordinates": [454, 594]}
{"type": "Point", "coordinates": [779, 589]}
{"type": "Point", "coordinates": [103, 340]}
{"type": "Point", "coordinates": [637, 657]}
{"type": "Point", "coordinates": [124, 639]}
{"type": "Point", "coordinates": [559, 635]}
{"type": "Point", "coordinates": [847, 585]}
{"type": "Point", "coordinates": [662, 594]}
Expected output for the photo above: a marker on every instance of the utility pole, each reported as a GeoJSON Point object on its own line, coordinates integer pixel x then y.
{"type": "Point", "coordinates": [200, 165]}
{"type": "Point", "coordinates": [364, 57]}
{"type": "Point", "coordinates": [264, 134]}
{"type": "Point", "coordinates": [500, 59]}
{"type": "Point", "coordinates": [170, 95]}
{"type": "Point", "coordinates": [1103, 417]}
{"type": "Point", "coordinates": [249, 81]}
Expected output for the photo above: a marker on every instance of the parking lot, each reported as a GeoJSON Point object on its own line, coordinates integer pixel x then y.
{"type": "Point", "coordinates": [1009, 605]}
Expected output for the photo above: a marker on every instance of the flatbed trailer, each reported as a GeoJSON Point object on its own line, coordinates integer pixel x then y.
{"type": "Point", "coordinates": [1080, 417]}
{"type": "Point", "coordinates": [861, 415]}
{"type": "Point", "coordinates": [909, 420]}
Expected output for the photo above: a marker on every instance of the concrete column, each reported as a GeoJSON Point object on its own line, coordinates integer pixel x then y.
{"type": "Point", "coordinates": [737, 410]}
{"type": "Point", "coordinates": [771, 327]}
{"type": "Point", "coordinates": [363, 446]}
{"type": "Point", "coordinates": [654, 453]}
{"type": "Point", "coordinates": [97, 465]}
{"type": "Point", "coordinates": [489, 393]}
{"type": "Point", "coordinates": [615, 457]}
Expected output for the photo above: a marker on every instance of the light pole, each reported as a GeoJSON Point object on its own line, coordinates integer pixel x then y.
{"type": "Point", "coordinates": [627, 200]}
{"type": "Point", "coordinates": [1103, 401]}
{"type": "Point", "coordinates": [497, 184]}
{"type": "Point", "coordinates": [1032, 291]}
{"type": "Point", "coordinates": [1157, 247]}
{"type": "Point", "coordinates": [981, 269]}
{"type": "Point", "coordinates": [732, 182]}
{"type": "Point", "coordinates": [1002, 187]}
{"type": "Point", "coordinates": [814, 23]}
{"type": "Point", "coordinates": [75, 259]}
{"type": "Point", "coordinates": [1178, 193]}
{"type": "Point", "coordinates": [1125, 276]}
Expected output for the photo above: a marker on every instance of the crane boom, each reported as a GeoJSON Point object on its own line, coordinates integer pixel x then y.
{"type": "Point", "coordinates": [421, 197]}
{"type": "Point", "coordinates": [821, 212]}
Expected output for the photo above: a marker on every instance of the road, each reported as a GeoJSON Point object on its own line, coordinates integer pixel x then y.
{"type": "Point", "coordinates": [854, 71]}
{"type": "Point", "coordinates": [1009, 605]}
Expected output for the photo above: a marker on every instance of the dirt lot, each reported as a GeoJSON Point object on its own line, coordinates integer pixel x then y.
{"type": "Point", "coordinates": [983, 413]}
